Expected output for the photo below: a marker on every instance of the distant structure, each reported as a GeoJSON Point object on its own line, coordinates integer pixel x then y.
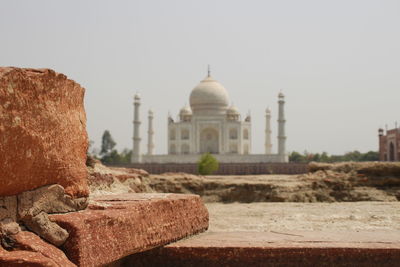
{"type": "Point", "coordinates": [211, 125]}
{"type": "Point", "coordinates": [389, 144]}
{"type": "Point", "coordinates": [136, 130]}
{"type": "Point", "coordinates": [268, 142]}
{"type": "Point", "coordinates": [150, 134]}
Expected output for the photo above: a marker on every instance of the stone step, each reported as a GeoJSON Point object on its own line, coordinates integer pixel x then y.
{"type": "Point", "coordinates": [115, 226]}
{"type": "Point", "coordinates": [292, 248]}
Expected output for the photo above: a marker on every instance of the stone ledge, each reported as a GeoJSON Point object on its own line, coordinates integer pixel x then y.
{"type": "Point", "coordinates": [378, 248]}
{"type": "Point", "coordinates": [31, 250]}
{"type": "Point", "coordinates": [115, 226]}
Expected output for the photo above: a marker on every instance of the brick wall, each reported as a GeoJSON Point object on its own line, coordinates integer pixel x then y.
{"type": "Point", "coordinates": [224, 168]}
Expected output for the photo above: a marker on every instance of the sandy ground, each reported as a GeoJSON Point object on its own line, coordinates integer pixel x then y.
{"type": "Point", "coordinates": [266, 217]}
{"type": "Point", "coordinates": [284, 180]}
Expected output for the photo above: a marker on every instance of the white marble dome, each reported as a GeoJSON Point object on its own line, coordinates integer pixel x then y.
{"type": "Point", "coordinates": [209, 96]}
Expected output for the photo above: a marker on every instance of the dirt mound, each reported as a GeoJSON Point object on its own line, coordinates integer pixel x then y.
{"type": "Point", "coordinates": [103, 180]}
{"type": "Point", "coordinates": [326, 183]}
{"type": "Point", "coordinates": [367, 168]}
{"type": "Point", "coordinates": [379, 174]}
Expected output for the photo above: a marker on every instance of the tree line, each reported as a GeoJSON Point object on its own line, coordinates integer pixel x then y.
{"type": "Point", "coordinates": [109, 155]}
{"type": "Point", "coordinates": [325, 157]}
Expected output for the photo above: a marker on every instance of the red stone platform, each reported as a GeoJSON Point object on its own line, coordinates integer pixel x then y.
{"type": "Point", "coordinates": [364, 248]}
{"type": "Point", "coordinates": [119, 225]}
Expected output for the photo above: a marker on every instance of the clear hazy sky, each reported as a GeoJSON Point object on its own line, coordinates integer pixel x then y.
{"type": "Point", "coordinates": [338, 62]}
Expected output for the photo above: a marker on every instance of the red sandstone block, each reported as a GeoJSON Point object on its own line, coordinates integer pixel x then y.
{"type": "Point", "coordinates": [277, 249]}
{"type": "Point", "coordinates": [43, 138]}
{"type": "Point", "coordinates": [22, 258]}
{"type": "Point", "coordinates": [31, 250]}
{"type": "Point", "coordinates": [119, 225]}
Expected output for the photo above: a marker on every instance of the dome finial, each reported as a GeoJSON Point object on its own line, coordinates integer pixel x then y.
{"type": "Point", "coordinates": [208, 71]}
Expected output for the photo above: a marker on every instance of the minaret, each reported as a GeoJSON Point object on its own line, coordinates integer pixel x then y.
{"type": "Point", "coordinates": [281, 125]}
{"type": "Point", "coordinates": [136, 135]}
{"type": "Point", "coordinates": [381, 145]}
{"type": "Point", "coordinates": [150, 134]}
{"type": "Point", "coordinates": [268, 144]}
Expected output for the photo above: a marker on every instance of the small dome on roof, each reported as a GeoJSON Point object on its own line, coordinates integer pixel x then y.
{"type": "Point", "coordinates": [232, 110]}
{"type": "Point", "coordinates": [185, 111]}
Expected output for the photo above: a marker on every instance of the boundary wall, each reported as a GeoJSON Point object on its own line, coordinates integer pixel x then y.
{"type": "Point", "coordinates": [224, 168]}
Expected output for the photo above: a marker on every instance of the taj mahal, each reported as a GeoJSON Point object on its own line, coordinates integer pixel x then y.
{"type": "Point", "coordinates": [210, 125]}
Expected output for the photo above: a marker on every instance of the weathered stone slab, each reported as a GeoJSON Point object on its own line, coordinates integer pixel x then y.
{"type": "Point", "coordinates": [43, 137]}
{"type": "Point", "coordinates": [116, 226]}
{"type": "Point", "coordinates": [276, 249]}
{"type": "Point", "coordinates": [31, 250]}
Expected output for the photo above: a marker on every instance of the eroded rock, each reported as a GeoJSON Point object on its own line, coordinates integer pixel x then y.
{"type": "Point", "coordinates": [8, 208]}
{"type": "Point", "coordinates": [35, 205]}
{"type": "Point", "coordinates": [8, 228]}
{"type": "Point", "coordinates": [43, 137]}
{"type": "Point", "coordinates": [31, 208]}
{"type": "Point", "coordinates": [106, 180]}
{"type": "Point", "coordinates": [48, 199]}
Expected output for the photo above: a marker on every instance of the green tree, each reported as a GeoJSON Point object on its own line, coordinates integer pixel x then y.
{"type": "Point", "coordinates": [114, 157]}
{"type": "Point", "coordinates": [370, 156]}
{"type": "Point", "coordinates": [207, 164]}
{"type": "Point", "coordinates": [352, 156]}
{"type": "Point", "coordinates": [126, 155]}
{"type": "Point", "coordinates": [324, 157]}
{"type": "Point", "coordinates": [316, 157]}
{"type": "Point", "coordinates": [111, 157]}
{"type": "Point", "coordinates": [107, 143]}
{"type": "Point", "coordinates": [296, 157]}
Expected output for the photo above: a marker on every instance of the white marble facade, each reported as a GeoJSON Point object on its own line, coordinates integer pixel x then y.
{"type": "Point", "coordinates": [211, 125]}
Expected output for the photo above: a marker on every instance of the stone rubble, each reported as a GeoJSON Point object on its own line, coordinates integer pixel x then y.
{"type": "Point", "coordinates": [31, 208]}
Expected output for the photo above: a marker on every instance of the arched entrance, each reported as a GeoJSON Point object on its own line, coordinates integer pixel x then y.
{"type": "Point", "coordinates": [391, 152]}
{"type": "Point", "coordinates": [209, 141]}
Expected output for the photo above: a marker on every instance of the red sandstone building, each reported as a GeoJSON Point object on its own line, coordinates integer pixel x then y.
{"type": "Point", "coordinates": [389, 145]}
